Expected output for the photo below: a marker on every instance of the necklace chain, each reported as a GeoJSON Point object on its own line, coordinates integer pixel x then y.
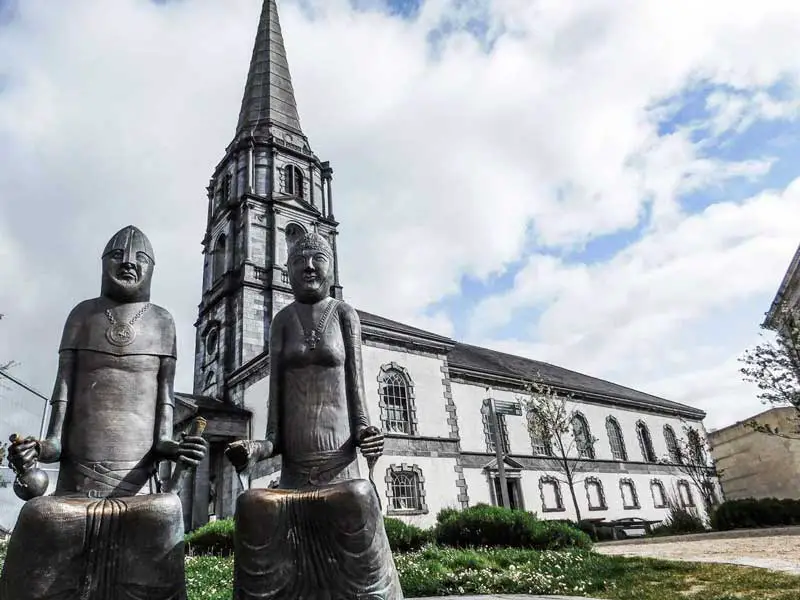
{"type": "Point", "coordinates": [313, 336]}
{"type": "Point", "coordinates": [133, 320]}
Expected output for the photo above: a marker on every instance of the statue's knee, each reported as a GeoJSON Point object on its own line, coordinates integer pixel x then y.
{"type": "Point", "coordinates": [259, 502]}
{"type": "Point", "coordinates": [360, 490]}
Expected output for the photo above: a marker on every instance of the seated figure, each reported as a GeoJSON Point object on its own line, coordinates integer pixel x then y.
{"type": "Point", "coordinates": [320, 533]}
{"type": "Point", "coordinates": [104, 534]}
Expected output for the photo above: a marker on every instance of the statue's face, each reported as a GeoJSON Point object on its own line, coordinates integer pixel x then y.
{"type": "Point", "coordinates": [310, 275]}
{"type": "Point", "coordinates": [128, 267]}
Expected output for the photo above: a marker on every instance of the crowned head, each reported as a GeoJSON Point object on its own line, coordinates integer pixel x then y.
{"type": "Point", "coordinates": [310, 267]}
{"type": "Point", "coordinates": [128, 263]}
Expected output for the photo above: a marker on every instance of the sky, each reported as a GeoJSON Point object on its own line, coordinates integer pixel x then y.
{"type": "Point", "coordinates": [608, 185]}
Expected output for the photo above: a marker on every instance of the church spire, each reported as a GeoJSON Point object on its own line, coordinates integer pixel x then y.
{"type": "Point", "coordinates": [268, 94]}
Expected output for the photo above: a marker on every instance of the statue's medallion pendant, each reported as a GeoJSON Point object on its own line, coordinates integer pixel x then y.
{"type": "Point", "coordinates": [311, 339]}
{"type": "Point", "coordinates": [120, 334]}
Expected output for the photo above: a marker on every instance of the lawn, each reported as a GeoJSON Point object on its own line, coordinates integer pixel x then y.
{"type": "Point", "coordinates": [440, 571]}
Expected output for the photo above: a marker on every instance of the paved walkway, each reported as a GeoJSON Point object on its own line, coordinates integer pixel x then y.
{"type": "Point", "coordinates": [777, 550]}
{"type": "Point", "coordinates": [503, 597]}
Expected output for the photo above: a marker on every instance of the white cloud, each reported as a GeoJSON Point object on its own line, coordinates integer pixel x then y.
{"type": "Point", "coordinates": [116, 112]}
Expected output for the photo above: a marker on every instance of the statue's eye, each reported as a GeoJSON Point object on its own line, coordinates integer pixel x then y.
{"type": "Point", "coordinates": [116, 255]}
{"type": "Point", "coordinates": [143, 258]}
{"type": "Point", "coordinates": [320, 258]}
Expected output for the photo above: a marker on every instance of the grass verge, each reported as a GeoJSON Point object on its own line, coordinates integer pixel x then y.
{"type": "Point", "coordinates": [444, 571]}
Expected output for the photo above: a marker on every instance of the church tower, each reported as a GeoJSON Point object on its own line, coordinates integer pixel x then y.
{"type": "Point", "coordinates": [268, 187]}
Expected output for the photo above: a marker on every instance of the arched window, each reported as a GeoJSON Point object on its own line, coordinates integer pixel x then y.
{"type": "Point", "coordinates": [396, 394]}
{"type": "Point", "coordinates": [696, 452]}
{"type": "Point", "coordinates": [220, 256]}
{"type": "Point", "coordinates": [293, 232]}
{"type": "Point", "coordinates": [583, 437]}
{"type": "Point", "coordinates": [630, 499]}
{"type": "Point", "coordinates": [685, 493]}
{"type": "Point", "coordinates": [672, 445]}
{"type": "Point", "coordinates": [658, 493]}
{"type": "Point", "coordinates": [404, 489]}
{"type": "Point", "coordinates": [211, 379]}
{"type": "Point", "coordinates": [541, 443]}
{"type": "Point", "coordinates": [488, 433]}
{"type": "Point", "coordinates": [645, 442]}
{"type": "Point", "coordinates": [615, 439]}
{"type": "Point", "coordinates": [550, 492]}
{"type": "Point", "coordinates": [594, 493]}
{"type": "Point", "coordinates": [293, 181]}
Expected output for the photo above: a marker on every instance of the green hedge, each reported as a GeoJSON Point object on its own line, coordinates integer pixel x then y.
{"type": "Point", "coordinates": [215, 537]}
{"type": "Point", "coordinates": [750, 512]}
{"type": "Point", "coordinates": [404, 537]}
{"type": "Point", "coordinates": [495, 527]}
{"type": "Point", "coordinates": [477, 526]}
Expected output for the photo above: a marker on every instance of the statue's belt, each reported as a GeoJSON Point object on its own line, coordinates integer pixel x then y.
{"type": "Point", "coordinates": [116, 474]}
{"type": "Point", "coordinates": [322, 467]}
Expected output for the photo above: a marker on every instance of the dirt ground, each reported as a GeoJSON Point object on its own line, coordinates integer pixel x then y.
{"type": "Point", "coordinates": [779, 553]}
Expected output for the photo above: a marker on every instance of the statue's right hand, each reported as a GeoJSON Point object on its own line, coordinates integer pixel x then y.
{"type": "Point", "coordinates": [243, 454]}
{"type": "Point", "coordinates": [23, 454]}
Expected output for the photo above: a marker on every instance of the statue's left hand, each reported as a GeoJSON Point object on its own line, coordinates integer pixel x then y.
{"type": "Point", "coordinates": [191, 450]}
{"type": "Point", "coordinates": [371, 442]}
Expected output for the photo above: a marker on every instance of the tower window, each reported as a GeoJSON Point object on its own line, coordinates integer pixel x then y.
{"type": "Point", "coordinates": [219, 257]}
{"type": "Point", "coordinates": [293, 181]}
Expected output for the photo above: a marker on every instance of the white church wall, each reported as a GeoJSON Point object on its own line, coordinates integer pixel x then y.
{"type": "Point", "coordinates": [426, 376]}
{"type": "Point", "coordinates": [256, 398]}
{"type": "Point", "coordinates": [438, 485]}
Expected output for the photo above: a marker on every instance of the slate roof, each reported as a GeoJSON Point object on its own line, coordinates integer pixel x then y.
{"type": "Point", "coordinates": [384, 323]}
{"type": "Point", "coordinates": [493, 363]}
{"type": "Point", "coordinates": [211, 404]}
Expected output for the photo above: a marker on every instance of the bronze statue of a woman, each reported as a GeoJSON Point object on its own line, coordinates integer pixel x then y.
{"type": "Point", "coordinates": [104, 534]}
{"type": "Point", "coordinates": [320, 533]}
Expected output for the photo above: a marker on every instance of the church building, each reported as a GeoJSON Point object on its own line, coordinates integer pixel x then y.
{"type": "Point", "coordinates": [425, 391]}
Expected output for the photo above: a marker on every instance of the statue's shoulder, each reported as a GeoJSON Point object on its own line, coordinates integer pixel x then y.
{"type": "Point", "coordinates": [345, 310]}
{"type": "Point", "coordinates": [162, 314]}
{"type": "Point", "coordinates": [84, 309]}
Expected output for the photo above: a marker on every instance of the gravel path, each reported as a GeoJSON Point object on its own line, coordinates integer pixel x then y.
{"type": "Point", "coordinates": [778, 553]}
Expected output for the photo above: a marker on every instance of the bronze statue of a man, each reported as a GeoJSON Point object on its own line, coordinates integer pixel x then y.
{"type": "Point", "coordinates": [107, 532]}
{"type": "Point", "coordinates": [320, 533]}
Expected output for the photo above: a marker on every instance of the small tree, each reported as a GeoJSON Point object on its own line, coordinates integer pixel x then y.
{"type": "Point", "coordinates": [693, 461]}
{"type": "Point", "coordinates": [561, 432]}
{"type": "Point", "coordinates": [774, 366]}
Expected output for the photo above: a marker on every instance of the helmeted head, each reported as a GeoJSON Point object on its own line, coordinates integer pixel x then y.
{"type": "Point", "coordinates": [128, 262]}
{"type": "Point", "coordinates": [310, 267]}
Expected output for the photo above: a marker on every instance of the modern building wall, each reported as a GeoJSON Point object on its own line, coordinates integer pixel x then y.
{"type": "Point", "coordinates": [759, 465]}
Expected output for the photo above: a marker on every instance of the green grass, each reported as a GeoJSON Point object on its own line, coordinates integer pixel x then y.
{"type": "Point", "coordinates": [437, 571]}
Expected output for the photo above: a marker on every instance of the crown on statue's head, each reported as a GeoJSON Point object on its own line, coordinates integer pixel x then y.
{"type": "Point", "coordinates": [312, 242]}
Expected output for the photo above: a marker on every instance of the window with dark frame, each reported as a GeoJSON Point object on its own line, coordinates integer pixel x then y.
{"type": "Point", "coordinates": [582, 435]}
{"type": "Point", "coordinates": [630, 498]}
{"type": "Point", "coordinates": [615, 439]}
{"type": "Point", "coordinates": [645, 442]}
{"type": "Point", "coordinates": [397, 408]}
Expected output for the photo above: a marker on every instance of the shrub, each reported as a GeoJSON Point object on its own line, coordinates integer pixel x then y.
{"type": "Point", "coordinates": [404, 537]}
{"type": "Point", "coordinates": [680, 520]}
{"type": "Point", "coordinates": [750, 512]}
{"type": "Point", "coordinates": [494, 526]}
{"type": "Point", "coordinates": [215, 537]}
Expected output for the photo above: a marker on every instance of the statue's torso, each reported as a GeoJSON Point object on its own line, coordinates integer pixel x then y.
{"type": "Point", "coordinates": [315, 417]}
{"type": "Point", "coordinates": [110, 426]}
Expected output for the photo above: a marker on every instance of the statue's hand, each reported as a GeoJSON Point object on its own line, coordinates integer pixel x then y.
{"type": "Point", "coordinates": [243, 454]}
{"type": "Point", "coordinates": [23, 454]}
{"type": "Point", "coordinates": [192, 449]}
{"type": "Point", "coordinates": [371, 442]}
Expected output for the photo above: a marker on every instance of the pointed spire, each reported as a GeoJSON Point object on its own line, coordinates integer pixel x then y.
{"type": "Point", "coordinates": [268, 94]}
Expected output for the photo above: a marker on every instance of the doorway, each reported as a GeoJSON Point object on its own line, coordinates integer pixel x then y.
{"type": "Point", "coordinates": [514, 489]}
